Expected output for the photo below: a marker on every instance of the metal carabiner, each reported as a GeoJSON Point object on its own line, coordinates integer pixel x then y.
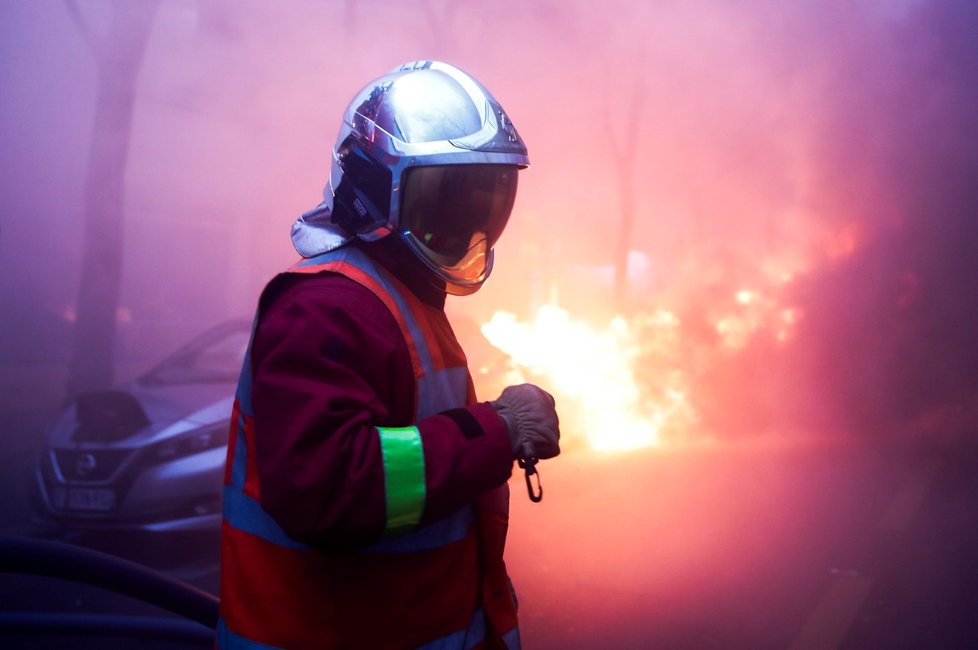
{"type": "Point", "coordinates": [529, 465]}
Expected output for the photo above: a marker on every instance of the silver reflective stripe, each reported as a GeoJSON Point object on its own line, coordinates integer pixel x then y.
{"type": "Point", "coordinates": [244, 513]}
{"type": "Point", "coordinates": [512, 639]}
{"type": "Point", "coordinates": [228, 640]}
{"type": "Point", "coordinates": [240, 462]}
{"type": "Point", "coordinates": [465, 639]}
{"type": "Point", "coordinates": [440, 387]}
{"type": "Point", "coordinates": [453, 528]}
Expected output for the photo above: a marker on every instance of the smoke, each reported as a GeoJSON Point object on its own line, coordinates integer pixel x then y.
{"type": "Point", "coordinates": [818, 154]}
{"type": "Point", "coordinates": [890, 328]}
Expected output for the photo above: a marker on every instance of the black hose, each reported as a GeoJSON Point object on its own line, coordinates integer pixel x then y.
{"type": "Point", "coordinates": [59, 560]}
{"type": "Point", "coordinates": [99, 625]}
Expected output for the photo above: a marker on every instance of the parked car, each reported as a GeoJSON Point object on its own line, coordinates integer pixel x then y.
{"type": "Point", "coordinates": [147, 455]}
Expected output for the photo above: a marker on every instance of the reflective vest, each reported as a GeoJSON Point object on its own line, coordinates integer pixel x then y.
{"type": "Point", "coordinates": [440, 587]}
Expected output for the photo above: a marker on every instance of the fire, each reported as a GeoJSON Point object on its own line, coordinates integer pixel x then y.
{"type": "Point", "coordinates": [754, 311]}
{"type": "Point", "coordinates": [660, 375]}
{"type": "Point", "coordinates": [593, 372]}
{"type": "Point", "coordinates": [633, 382]}
{"type": "Point", "coordinates": [746, 297]}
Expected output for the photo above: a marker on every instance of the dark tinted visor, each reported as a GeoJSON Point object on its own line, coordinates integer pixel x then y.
{"type": "Point", "coordinates": [451, 208]}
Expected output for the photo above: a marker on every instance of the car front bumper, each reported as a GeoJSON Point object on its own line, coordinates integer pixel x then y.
{"type": "Point", "coordinates": [183, 494]}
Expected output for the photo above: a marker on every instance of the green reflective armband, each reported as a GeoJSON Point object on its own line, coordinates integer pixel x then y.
{"type": "Point", "coordinates": [404, 482]}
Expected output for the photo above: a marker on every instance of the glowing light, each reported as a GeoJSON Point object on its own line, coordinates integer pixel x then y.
{"type": "Point", "coordinates": [632, 382]}
{"type": "Point", "coordinates": [788, 318]}
{"type": "Point", "coordinates": [735, 331]}
{"type": "Point", "coordinates": [745, 297]}
{"type": "Point", "coordinates": [592, 372]}
{"type": "Point", "coordinates": [843, 242]}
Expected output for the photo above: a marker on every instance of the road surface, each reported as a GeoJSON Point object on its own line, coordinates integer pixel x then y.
{"type": "Point", "coordinates": [817, 543]}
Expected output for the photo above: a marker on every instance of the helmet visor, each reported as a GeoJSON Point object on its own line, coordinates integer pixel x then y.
{"type": "Point", "coordinates": [454, 214]}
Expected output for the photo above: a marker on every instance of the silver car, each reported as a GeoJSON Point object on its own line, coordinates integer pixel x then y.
{"type": "Point", "coordinates": [148, 455]}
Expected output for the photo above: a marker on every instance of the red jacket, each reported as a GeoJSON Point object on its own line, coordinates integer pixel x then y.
{"type": "Point", "coordinates": [365, 498]}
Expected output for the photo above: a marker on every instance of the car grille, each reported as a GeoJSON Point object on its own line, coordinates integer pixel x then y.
{"type": "Point", "coordinates": [89, 464]}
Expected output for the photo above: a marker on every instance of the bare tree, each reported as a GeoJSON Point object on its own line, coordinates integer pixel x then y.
{"type": "Point", "coordinates": [118, 56]}
{"type": "Point", "coordinates": [624, 147]}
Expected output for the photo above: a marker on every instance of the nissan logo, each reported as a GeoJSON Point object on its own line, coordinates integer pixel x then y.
{"type": "Point", "coordinates": [85, 465]}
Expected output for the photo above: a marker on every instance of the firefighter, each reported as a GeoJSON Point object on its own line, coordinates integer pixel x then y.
{"type": "Point", "coordinates": [365, 498]}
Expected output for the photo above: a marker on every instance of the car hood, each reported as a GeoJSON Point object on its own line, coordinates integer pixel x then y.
{"type": "Point", "coordinates": [169, 409]}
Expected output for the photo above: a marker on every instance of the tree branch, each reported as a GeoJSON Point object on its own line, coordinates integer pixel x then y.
{"type": "Point", "coordinates": [88, 36]}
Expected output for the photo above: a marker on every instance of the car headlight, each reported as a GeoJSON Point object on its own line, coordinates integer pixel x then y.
{"type": "Point", "coordinates": [192, 442]}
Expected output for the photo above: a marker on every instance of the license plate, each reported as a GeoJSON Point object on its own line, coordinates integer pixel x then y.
{"type": "Point", "coordinates": [90, 499]}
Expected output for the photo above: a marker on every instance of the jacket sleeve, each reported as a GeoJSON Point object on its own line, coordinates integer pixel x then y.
{"type": "Point", "coordinates": [329, 367]}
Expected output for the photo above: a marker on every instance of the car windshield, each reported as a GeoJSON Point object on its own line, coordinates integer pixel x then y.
{"type": "Point", "coordinates": [215, 357]}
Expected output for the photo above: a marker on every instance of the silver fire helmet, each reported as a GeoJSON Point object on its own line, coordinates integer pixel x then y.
{"type": "Point", "coordinates": [426, 152]}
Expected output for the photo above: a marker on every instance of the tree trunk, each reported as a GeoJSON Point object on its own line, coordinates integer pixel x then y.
{"type": "Point", "coordinates": [626, 223]}
{"type": "Point", "coordinates": [118, 58]}
{"type": "Point", "coordinates": [625, 153]}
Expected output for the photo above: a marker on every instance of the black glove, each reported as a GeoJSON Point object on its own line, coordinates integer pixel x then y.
{"type": "Point", "coordinates": [531, 419]}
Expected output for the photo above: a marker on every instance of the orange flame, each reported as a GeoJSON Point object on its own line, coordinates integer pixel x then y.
{"type": "Point", "coordinates": [634, 382]}
{"type": "Point", "coordinates": [592, 373]}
